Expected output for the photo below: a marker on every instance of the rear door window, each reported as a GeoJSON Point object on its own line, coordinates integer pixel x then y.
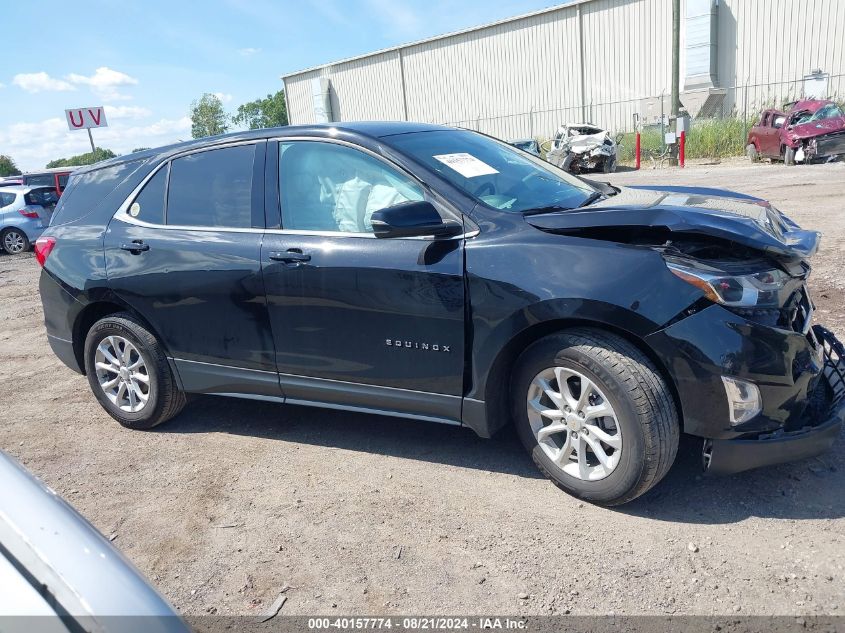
{"type": "Point", "coordinates": [149, 205]}
{"type": "Point", "coordinates": [212, 189]}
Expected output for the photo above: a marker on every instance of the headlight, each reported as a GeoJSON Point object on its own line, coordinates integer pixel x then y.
{"type": "Point", "coordinates": [746, 291]}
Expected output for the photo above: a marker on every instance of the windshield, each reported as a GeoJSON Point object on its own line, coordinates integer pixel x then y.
{"type": "Point", "coordinates": [829, 111]}
{"type": "Point", "coordinates": [493, 172]}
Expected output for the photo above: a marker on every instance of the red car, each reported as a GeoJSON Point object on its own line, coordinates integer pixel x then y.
{"type": "Point", "coordinates": [764, 139]}
{"type": "Point", "coordinates": [811, 129]}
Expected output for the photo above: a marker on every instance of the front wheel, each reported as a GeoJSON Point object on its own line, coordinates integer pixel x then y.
{"type": "Point", "coordinates": [751, 152]}
{"type": "Point", "coordinates": [129, 374]}
{"type": "Point", "coordinates": [595, 414]}
{"type": "Point", "coordinates": [608, 165]}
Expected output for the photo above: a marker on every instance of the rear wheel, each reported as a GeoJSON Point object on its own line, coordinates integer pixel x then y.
{"type": "Point", "coordinates": [595, 414]}
{"type": "Point", "coordinates": [14, 241]}
{"type": "Point", "coordinates": [129, 373]}
{"type": "Point", "coordinates": [751, 152]}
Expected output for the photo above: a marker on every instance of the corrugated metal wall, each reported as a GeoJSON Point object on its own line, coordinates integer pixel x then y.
{"type": "Point", "coordinates": [767, 46]}
{"type": "Point", "coordinates": [523, 77]}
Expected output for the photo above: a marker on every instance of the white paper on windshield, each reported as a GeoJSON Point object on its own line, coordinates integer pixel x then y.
{"type": "Point", "coordinates": [466, 165]}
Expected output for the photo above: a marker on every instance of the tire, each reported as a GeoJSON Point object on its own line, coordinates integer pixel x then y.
{"type": "Point", "coordinates": [751, 152]}
{"type": "Point", "coordinates": [14, 241]}
{"type": "Point", "coordinates": [608, 165]}
{"type": "Point", "coordinates": [566, 165]}
{"type": "Point", "coordinates": [789, 156]}
{"type": "Point", "coordinates": [163, 398]}
{"type": "Point", "coordinates": [643, 409]}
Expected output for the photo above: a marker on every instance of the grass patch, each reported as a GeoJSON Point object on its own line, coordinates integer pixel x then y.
{"type": "Point", "coordinates": [708, 138]}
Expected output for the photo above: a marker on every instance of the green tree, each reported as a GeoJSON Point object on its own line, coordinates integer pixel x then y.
{"type": "Point", "coordinates": [261, 113]}
{"type": "Point", "coordinates": [7, 166]}
{"type": "Point", "coordinates": [88, 158]}
{"type": "Point", "coordinates": [208, 117]}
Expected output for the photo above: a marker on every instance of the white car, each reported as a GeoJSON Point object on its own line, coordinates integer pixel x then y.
{"type": "Point", "coordinates": [583, 147]}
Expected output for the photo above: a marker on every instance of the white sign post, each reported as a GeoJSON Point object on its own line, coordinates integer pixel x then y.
{"type": "Point", "coordinates": [85, 119]}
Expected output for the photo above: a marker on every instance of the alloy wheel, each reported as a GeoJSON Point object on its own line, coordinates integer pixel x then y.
{"type": "Point", "coordinates": [574, 423]}
{"type": "Point", "coordinates": [14, 242]}
{"type": "Point", "coordinates": [122, 373]}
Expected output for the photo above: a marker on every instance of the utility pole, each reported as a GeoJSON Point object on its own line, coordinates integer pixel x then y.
{"type": "Point", "coordinates": [91, 138]}
{"type": "Point", "coordinates": [676, 71]}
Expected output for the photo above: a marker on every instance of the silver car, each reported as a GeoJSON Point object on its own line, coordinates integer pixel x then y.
{"type": "Point", "coordinates": [24, 214]}
{"type": "Point", "coordinates": [53, 563]}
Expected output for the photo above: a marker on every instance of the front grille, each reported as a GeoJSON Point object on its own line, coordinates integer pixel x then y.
{"type": "Point", "coordinates": [798, 311]}
{"type": "Point", "coordinates": [834, 361]}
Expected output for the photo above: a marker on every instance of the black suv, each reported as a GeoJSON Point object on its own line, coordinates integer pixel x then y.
{"type": "Point", "coordinates": [442, 275]}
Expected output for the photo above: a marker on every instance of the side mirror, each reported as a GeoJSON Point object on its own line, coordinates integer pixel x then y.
{"type": "Point", "coordinates": [412, 219]}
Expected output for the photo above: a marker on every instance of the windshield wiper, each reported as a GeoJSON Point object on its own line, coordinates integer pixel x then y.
{"type": "Point", "coordinates": [596, 195]}
{"type": "Point", "coordinates": [547, 209]}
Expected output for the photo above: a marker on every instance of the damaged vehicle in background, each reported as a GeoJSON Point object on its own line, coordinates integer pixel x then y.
{"type": "Point", "coordinates": [814, 131]}
{"type": "Point", "coordinates": [439, 274]}
{"type": "Point", "coordinates": [583, 147]}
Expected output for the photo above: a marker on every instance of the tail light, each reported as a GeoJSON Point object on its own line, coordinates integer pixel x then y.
{"type": "Point", "coordinates": [28, 214]}
{"type": "Point", "coordinates": [43, 248]}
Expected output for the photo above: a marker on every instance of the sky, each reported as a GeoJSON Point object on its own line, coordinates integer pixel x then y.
{"type": "Point", "coordinates": [147, 61]}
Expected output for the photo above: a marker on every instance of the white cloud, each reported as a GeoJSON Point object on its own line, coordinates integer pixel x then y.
{"type": "Point", "coordinates": [126, 112]}
{"type": "Point", "coordinates": [247, 52]}
{"type": "Point", "coordinates": [105, 82]}
{"type": "Point", "coordinates": [40, 82]}
{"type": "Point", "coordinates": [34, 144]}
{"type": "Point", "coordinates": [224, 97]}
{"type": "Point", "coordinates": [2, 85]}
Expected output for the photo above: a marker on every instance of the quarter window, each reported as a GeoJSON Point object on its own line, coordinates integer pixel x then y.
{"type": "Point", "coordinates": [329, 187]}
{"type": "Point", "coordinates": [7, 198]}
{"type": "Point", "coordinates": [212, 188]}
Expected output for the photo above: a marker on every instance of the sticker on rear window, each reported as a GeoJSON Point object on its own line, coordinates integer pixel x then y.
{"type": "Point", "coordinates": [466, 165]}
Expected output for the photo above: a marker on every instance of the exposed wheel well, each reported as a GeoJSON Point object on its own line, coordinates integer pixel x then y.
{"type": "Point", "coordinates": [90, 315]}
{"type": "Point", "coordinates": [498, 400]}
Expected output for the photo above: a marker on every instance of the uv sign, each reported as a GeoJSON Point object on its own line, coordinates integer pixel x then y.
{"type": "Point", "coordinates": [86, 118]}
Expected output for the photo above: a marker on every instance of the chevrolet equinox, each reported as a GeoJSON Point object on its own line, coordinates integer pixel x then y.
{"type": "Point", "coordinates": [438, 274]}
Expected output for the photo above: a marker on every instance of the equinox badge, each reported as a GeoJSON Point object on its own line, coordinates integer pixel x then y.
{"type": "Point", "coordinates": [434, 347]}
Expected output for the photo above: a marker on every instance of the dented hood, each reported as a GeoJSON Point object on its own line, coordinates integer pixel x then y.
{"type": "Point", "coordinates": [586, 142]}
{"type": "Point", "coordinates": [721, 214]}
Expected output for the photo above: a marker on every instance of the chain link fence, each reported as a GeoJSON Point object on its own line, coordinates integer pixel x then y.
{"type": "Point", "coordinates": [719, 128]}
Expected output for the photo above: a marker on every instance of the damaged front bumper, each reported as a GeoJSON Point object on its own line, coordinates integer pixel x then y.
{"type": "Point", "coordinates": [827, 147]}
{"type": "Point", "coordinates": [820, 423]}
{"type": "Point", "coordinates": [800, 375]}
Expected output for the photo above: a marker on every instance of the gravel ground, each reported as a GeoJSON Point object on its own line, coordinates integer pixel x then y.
{"type": "Point", "coordinates": [233, 500]}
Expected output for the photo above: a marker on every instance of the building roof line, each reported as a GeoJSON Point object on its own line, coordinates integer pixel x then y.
{"type": "Point", "coordinates": [434, 38]}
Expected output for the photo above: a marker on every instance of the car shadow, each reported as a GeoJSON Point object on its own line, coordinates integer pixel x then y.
{"type": "Point", "coordinates": [384, 435]}
{"type": "Point", "coordinates": [810, 489]}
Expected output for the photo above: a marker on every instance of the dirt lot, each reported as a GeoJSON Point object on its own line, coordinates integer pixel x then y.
{"type": "Point", "coordinates": [359, 514]}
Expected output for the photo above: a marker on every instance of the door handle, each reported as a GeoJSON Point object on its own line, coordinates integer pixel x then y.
{"type": "Point", "coordinates": [290, 257]}
{"type": "Point", "coordinates": [135, 247]}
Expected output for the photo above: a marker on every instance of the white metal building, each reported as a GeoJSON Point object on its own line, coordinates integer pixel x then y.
{"type": "Point", "coordinates": [595, 60]}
